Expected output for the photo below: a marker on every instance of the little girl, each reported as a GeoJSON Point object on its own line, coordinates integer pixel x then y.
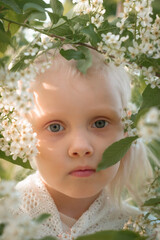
{"type": "Point", "coordinates": [76, 117]}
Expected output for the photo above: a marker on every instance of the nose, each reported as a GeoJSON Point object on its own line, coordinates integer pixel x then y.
{"type": "Point", "coordinates": [80, 147]}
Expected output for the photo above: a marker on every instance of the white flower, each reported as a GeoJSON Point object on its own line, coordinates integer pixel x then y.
{"type": "Point", "coordinates": [149, 125]}
{"type": "Point", "coordinates": [31, 52]}
{"type": "Point", "coordinates": [140, 6]}
{"type": "Point", "coordinates": [152, 116]}
{"type": "Point", "coordinates": [97, 20]}
{"type": "Point", "coordinates": [22, 227]}
{"type": "Point", "coordinates": [95, 7]}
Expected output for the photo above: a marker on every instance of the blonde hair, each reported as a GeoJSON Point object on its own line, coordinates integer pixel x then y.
{"type": "Point", "coordinates": [135, 168]}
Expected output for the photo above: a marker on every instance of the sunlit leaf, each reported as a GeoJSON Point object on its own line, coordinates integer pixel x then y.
{"type": "Point", "coordinates": [5, 39]}
{"type": "Point", "coordinates": [33, 6]}
{"type": "Point", "coordinates": [18, 161]}
{"type": "Point", "coordinates": [57, 7]}
{"type": "Point", "coordinates": [11, 27]}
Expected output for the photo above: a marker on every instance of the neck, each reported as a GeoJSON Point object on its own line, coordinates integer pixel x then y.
{"type": "Point", "coordinates": [72, 207]}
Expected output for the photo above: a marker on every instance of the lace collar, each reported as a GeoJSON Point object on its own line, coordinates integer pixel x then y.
{"type": "Point", "coordinates": [41, 202]}
{"type": "Point", "coordinates": [86, 220]}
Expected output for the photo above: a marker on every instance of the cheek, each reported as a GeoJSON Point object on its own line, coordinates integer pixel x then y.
{"type": "Point", "coordinates": [51, 154]}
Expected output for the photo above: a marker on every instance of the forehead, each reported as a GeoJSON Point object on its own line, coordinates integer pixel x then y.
{"type": "Point", "coordinates": [66, 90]}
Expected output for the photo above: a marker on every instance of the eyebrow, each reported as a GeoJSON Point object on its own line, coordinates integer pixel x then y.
{"type": "Point", "coordinates": [100, 111]}
{"type": "Point", "coordinates": [109, 110]}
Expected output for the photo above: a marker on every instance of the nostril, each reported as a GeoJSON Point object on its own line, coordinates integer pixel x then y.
{"type": "Point", "coordinates": [87, 153]}
{"type": "Point", "coordinates": [75, 153]}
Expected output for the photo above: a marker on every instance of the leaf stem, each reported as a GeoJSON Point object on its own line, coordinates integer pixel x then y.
{"type": "Point", "coordinates": [135, 27]}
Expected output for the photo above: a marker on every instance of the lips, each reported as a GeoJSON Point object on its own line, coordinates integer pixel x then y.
{"type": "Point", "coordinates": [84, 171]}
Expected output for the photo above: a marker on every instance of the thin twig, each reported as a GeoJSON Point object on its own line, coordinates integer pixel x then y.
{"type": "Point", "coordinates": [48, 34]}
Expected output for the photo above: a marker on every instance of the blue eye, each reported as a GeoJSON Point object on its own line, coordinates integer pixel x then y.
{"type": "Point", "coordinates": [100, 124]}
{"type": "Point", "coordinates": [55, 127]}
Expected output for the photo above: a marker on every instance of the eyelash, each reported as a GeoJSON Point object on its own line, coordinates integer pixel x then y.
{"type": "Point", "coordinates": [54, 124]}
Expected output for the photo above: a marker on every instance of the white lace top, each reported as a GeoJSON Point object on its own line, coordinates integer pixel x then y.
{"type": "Point", "coordinates": [101, 215]}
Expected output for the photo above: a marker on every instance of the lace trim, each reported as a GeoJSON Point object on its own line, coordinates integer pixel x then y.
{"type": "Point", "coordinates": [101, 215]}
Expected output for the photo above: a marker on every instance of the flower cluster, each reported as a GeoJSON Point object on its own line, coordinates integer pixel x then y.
{"type": "Point", "coordinates": [94, 8]}
{"type": "Point", "coordinates": [147, 227]}
{"type": "Point", "coordinates": [146, 40]}
{"type": "Point", "coordinates": [22, 227]}
{"type": "Point", "coordinates": [14, 89]}
{"type": "Point", "coordinates": [149, 125]}
{"type": "Point", "coordinates": [126, 119]}
{"type": "Point", "coordinates": [17, 137]}
{"type": "Point", "coordinates": [39, 46]}
{"type": "Point", "coordinates": [148, 223]}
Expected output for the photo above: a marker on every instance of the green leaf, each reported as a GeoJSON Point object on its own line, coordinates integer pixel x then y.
{"type": "Point", "coordinates": [151, 98]}
{"type": "Point", "coordinates": [93, 36]}
{"type": "Point", "coordinates": [156, 211]}
{"type": "Point", "coordinates": [108, 27]}
{"type": "Point", "coordinates": [152, 201]}
{"type": "Point", "coordinates": [84, 64]}
{"type": "Point", "coordinates": [33, 6]}
{"type": "Point", "coordinates": [113, 235]}
{"type": "Point", "coordinates": [18, 161]}
{"type": "Point", "coordinates": [12, 5]}
{"type": "Point", "coordinates": [54, 17]}
{"type": "Point", "coordinates": [2, 226]}
{"type": "Point", "coordinates": [72, 54]}
{"type": "Point", "coordinates": [42, 3]}
{"type": "Point", "coordinates": [57, 7]}
{"type": "Point", "coordinates": [46, 238]}
{"type": "Point", "coordinates": [42, 217]}
{"type": "Point", "coordinates": [37, 16]}
{"type": "Point", "coordinates": [115, 152]}
{"type": "Point", "coordinates": [5, 39]}
{"type": "Point", "coordinates": [11, 27]}
{"type": "Point", "coordinates": [154, 146]}
{"type": "Point", "coordinates": [144, 60]}
{"type": "Point", "coordinates": [64, 28]}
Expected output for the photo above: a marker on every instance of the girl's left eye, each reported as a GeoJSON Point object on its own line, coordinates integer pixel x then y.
{"type": "Point", "coordinates": [100, 124]}
{"type": "Point", "coordinates": [55, 127]}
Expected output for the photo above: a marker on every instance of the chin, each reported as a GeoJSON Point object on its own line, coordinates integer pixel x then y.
{"type": "Point", "coordinates": [88, 193]}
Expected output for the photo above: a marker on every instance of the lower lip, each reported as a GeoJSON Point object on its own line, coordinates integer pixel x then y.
{"type": "Point", "coordinates": [83, 173]}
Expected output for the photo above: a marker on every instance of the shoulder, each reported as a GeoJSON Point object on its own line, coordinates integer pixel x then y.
{"type": "Point", "coordinates": [31, 192]}
{"type": "Point", "coordinates": [27, 182]}
{"type": "Point", "coordinates": [118, 215]}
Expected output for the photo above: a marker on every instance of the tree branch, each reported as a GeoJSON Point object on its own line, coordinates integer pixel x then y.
{"type": "Point", "coordinates": [46, 33]}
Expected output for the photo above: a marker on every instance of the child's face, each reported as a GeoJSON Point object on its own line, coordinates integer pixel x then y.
{"type": "Point", "coordinates": [76, 119]}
